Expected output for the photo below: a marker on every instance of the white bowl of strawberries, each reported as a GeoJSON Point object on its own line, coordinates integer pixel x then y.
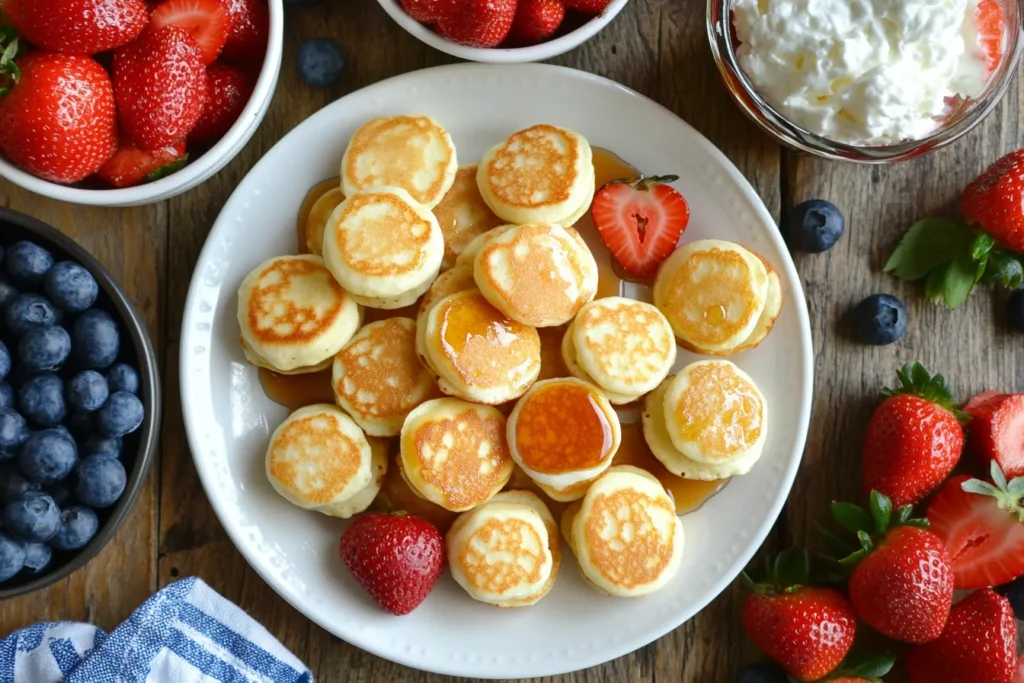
{"type": "Point", "coordinates": [503, 31]}
{"type": "Point", "coordinates": [122, 103]}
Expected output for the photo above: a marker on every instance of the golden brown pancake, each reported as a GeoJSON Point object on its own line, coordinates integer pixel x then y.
{"type": "Point", "coordinates": [316, 221]}
{"type": "Point", "coordinates": [463, 215]}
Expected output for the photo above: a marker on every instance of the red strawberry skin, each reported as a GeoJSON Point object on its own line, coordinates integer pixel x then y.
{"type": "Point", "coordinates": [479, 23]}
{"type": "Point", "coordinates": [1018, 674]}
{"type": "Point", "coordinates": [81, 27]}
{"type": "Point", "coordinates": [587, 6]}
{"type": "Point", "coordinates": [808, 632]}
{"type": "Point", "coordinates": [250, 29]}
{"type": "Point", "coordinates": [994, 202]}
{"type": "Point", "coordinates": [160, 85]}
{"type": "Point", "coordinates": [536, 20]}
{"type": "Point", "coordinates": [395, 558]}
{"type": "Point", "coordinates": [904, 588]}
{"type": "Point", "coordinates": [228, 92]}
{"type": "Point", "coordinates": [985, 542]}
{"type": "Point", "coordinates": [997, 431]}
{"type": "Point", "coordinates": [979, 645]}
{"type": "Point", "coordinates": [207, 21]}
{"type": "Point", "coordinates": [130, 165]}
{"type": "Point", "coordinates": [911, 447]}
{"type": "Point", "coordinates": [58, 122]}
{"type": "Point", "coordinates": [430, 11]}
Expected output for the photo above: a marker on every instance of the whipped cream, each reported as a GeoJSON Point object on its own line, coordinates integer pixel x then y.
{"type": "Point", "coordinates": [861, 72]}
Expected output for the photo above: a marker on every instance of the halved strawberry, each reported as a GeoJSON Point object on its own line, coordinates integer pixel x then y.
{"type": "Point", "coordinates": [207, 21]}
{"type": "Point", "coordinates": [997, 430]}
{"type": "Point", "coordinates": [640, 220]}
{"type": "Point", "coordinates": [226, 95]}
{"type": "Point", "coordinates": [982, 525]}
{"type": "Point", "coordinates": [989, 23]}
{"type": "Point", "coordinates": [1018, 675]}
{"type": "Point", "coordinates": [131, 165]}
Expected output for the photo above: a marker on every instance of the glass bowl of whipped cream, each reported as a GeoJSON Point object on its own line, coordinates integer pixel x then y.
{"type": "Point", "coordinates": [868, 81]}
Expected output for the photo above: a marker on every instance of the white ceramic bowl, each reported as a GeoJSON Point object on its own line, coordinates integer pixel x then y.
{"type": "Point", "coordinates": [199, 169]}
{"type": "Point", "coordinates": [533, 53]}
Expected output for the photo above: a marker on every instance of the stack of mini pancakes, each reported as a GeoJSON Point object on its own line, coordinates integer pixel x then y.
{"type": "Point", "coordinates": [488, 255]}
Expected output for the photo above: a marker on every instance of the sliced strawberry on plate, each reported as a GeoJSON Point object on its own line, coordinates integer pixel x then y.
{"type": "Point", "coordinates": [640, 221]}
{"type": "Point", "coordinates": [207, 21]}
{"type": "Point", "coordinates": [132, 166]}
{"type": "Point", "coordinates": [982, 525]}
{"type": "Point", "coordinates": [80, 27]}
{"type": "Point", "coordinates": [250, 29]}
{"type": "Point", "coordinates": [997, 431]}
{"type": "Point", "coordinates": [990, 25]}
{"type": "Point", "coordinates": [229, 90]}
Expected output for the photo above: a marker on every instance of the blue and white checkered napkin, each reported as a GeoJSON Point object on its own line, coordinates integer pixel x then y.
{"type": "Point", "coordinates": [185, 633]}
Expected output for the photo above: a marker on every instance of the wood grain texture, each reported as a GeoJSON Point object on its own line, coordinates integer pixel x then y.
{"type": "Point", "coordinates": [658, 48]}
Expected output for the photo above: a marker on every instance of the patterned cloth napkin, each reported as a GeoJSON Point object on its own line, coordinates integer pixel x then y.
{"type": "Point", "coordinates": [185, 633]}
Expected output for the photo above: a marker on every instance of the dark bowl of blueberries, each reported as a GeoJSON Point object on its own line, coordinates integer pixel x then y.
{"type": "Point", "coordinates": [79, 405]}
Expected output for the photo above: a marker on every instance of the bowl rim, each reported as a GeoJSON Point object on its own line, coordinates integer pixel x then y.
{"type": "Point", "coordinates": [494, 55]}
{"type": "Point", "coordinates": [149, 392]}
{"type": "Point", "coordinates": [194, 173]}
{"type": "Point", "coordinates": [782, 130]}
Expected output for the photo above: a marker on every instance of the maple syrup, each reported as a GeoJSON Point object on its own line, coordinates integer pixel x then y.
{"type": "Point", "coordinates": [372, 315]}
{"type": "Point", "coordinates": [562, 427]}
{"type": "Point", "coordinates": [296, 391]}
{"type": "Point", "coordinates": [396, 495]}
{"type": "Point", "coordinates": [317, 191]}
{"type": "Point", "coordinates": [551, 363]}
{"type": "Point", "coordinates": [689, 494]}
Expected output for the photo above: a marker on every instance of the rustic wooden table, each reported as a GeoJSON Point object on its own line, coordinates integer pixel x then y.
{"type": "Point", "coordinates": [659, 48]}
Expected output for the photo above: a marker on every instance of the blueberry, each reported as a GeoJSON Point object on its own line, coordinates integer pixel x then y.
{"type": "Point", "coordinates": [5, 361]}
{"type": "Point", "coordinates": [61, 494]}
{"type": "Point", "coordinates": [7, 293]}
{"type": "Point", "coordinates": [101, 481]}
{"type": "Point", "coordinates": [78, 524]}
{"type": "Point", "coordinates": [34, 517]}
{"type": "Point", "coordinates": [102, 445]}
{"type": "Point", "coordinates": [762, 673]}
{"type": "Point", "coordinates": [87, 391]}
{"type": "Point", "coordinates": [13, 430]}
{"type": "Point", "coordinates": [42, 400]}
{"type": "Point", "coordinates": [37, 557]}
{"type": "Point", "coordinates": [44, 348]}
{"type": "Point", "coordinates": [320, 61]}
{"type": "Point", "coordinates": [1014, 592]}
{"type": "Point", "coordinates": [12, 556]}
{"type": "Point", "coordinates": [879, 320]}
{"type": "Point", "coordinates": [27, 263]}
{"type": "Point", "coordinates": [1014, 312]}
{"type": "Point", "coordinates": [121, 414]}
{"type": "Point", "coordinates": [13, 484]}
{"type": "Point", "coordinates": [6, 396]}
{"type": "Point", "coordinates": [814, 226]}
{"type": "Point", "coordinates": [95, 339]}
{"type": "Point", "coordinates": [47, 457]}
{"type": "Point", "coordinates": [122, 377]}
{"type": "Point", "coordinates": [27, 311]}
{"type": "Point", "coordinates": [70, 286]}
{"type": "Point", "coordinates": [79, 424]}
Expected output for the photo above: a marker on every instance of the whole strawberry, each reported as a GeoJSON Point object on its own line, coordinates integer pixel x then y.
{"type": "Point", "coordinates": [80, 27]}
{"type": "Point", "coordinates": [430, 11]}
{"type": "Point", "coordinates": [807, 630]}
{"type": "Point", "coordinates": [228, 92]}
{"type": "Point", "coordinates": [160, 86]}
{"type": "Point", "coordinates": [914, 438]}
{"type": "Point", "coordinates": [901, 581]}
{"type": "Point", "coordinates": [250, 29]}
{"type": "Point", "coordinates": [58, 120]}
{"type": "Point", "coordinates": [979, 644]}
{"type": "Point", "coordinates": [396, 558]}
{"type": "Point", "coordinates": [536, 20]}
{"type": "Point", "coordinates": [994, 202]}
{"type": "Point", "coordinates": [587, 6]}
{"type": "Point", "coordinates": [479, 23]}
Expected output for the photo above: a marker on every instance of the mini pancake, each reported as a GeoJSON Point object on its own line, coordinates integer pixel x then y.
{"type": "Point", "coordinates": [772, 309]}
{"type": "Point", "coordinates": [292, 314]}
{"type": "Point", "coordinates": [463, 215]}
{"type": "Point", "coordinates": [454, 453]}
{"type": "Point", "coordinates": [626, 346]}
{"type": "Point", "coordinates": [543, 174]}
{"type": "Point", "coordinates": [414, 153]}
{"type": "Point", "coordinates": [626, 535]}
{"type": "Point", "coordinates": [579, 213]}
{"type": "Point", "coordinates": [319, 459]}
{"type": "Point", "coordinates": [316, 221]}
{"type": "Point", "coordinates": [363, 499]}
{"type": "Point", "coordinates": [468, 255]}
{"type": "Point", "coordinates": [656, 434]}
{"type": "Point", "coordinates": [382, 246]}
{"type": "Point", "coordinates": [505, 552]}
{"type": "Point", "coordinates": [457, 279]}
{"type": "Point", "coordinates": [395, 302]}
{"type": "Point", "coordinates": [713, 293]}
{"type": "Point", "coordinates": [714, 412]}
{"type": "Point", "coordinates": [536, 274]}
{"type": "Point", "coordinates": [570, 360]}
{"type": "Point", "coordinates": [378, 378]}
{"type": "Point", "coordinates": [255, 359]}
{"type": "Point", "coordinates": [563, 433]}
{"type": "Point", "coordinates": [477, 353]}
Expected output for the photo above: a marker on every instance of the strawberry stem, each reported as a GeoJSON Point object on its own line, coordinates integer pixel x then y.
{"type": "Point", "coordinates": [644, 183]}
{"type": "Point", "coordinates": [869, 526]}
{"type": "Point", "coordinates": [9, 47]}
{"type": "Point", "coordinates": [915, 381]}
{"type": "Point", "coordinates": [1008, 495]}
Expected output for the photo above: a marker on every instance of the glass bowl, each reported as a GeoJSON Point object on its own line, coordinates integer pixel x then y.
{"type": "Point", "coordinates": [963, 119]}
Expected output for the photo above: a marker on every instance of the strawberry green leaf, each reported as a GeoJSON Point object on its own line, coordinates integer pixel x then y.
{"type": "Point", "coordinates": [1016, 487]}
{"type": "Point", "coordinates": [928, 244]}
{"type": "Point", "coordinates": [792, 567]}
{"type": "Point", "coordinates": [998, 478]}
{"type": "Point", "coordinates": [1004, 268]}
{"type": "Point", "coordinates": [982, 488]}
{"type": "Point", "coordinates": [982, 245]}
{"type": "Point", "coordinates": [865, 541]}
{"type": "Point", "coordinates": [836, 545]}
{"type": "Point", "coordinates": [960, 278]}
{"type": "Point", "coordinates": [852, 559]}
{"type": "Point", "coordinates": [915, 380]}
{"type": "Point", "coordinates": [167, 169]}
{"type": "Point", "coordinates": [868, 665]}
{"type": "Point", "coordinates": [881, 511]}
{"type": "Point", "coordinates": [903, 515]}
{"type": "Point", "coordinates": [920, 523]}
{"type": "Point", "coordinates": [936, 280]}
{"type": "Point", "coordinates": [851, 517]}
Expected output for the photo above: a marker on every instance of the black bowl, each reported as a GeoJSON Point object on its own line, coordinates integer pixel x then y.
{"type": "Point", "coordinates": [139, 446]}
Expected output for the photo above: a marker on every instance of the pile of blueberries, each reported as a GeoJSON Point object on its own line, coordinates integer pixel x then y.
{"type": "Point", "coordinates": [65, 404]}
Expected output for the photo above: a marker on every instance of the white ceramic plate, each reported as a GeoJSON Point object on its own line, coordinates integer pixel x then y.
{"type": "Point", "coordinates": [229, 419]}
